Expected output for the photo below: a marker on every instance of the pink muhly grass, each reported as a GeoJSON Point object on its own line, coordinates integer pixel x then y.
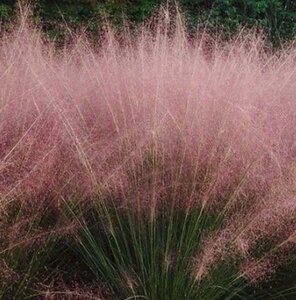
{"type": "Point", "coordinates": [152, 120]}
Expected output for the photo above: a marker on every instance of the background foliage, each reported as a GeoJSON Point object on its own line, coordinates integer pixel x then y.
{"type": "Point", "coordinates": [276, 17]}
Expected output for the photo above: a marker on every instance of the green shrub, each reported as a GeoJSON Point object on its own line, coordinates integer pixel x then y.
{"type": "Point", "coordinates": [276, 17]}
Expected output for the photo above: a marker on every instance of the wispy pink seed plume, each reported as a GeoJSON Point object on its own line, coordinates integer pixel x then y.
{"type": "Point", "coordinates": [151, 119]}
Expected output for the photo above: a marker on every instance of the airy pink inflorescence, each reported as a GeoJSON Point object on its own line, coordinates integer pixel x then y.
{"type": "Point", "coordinates": [154, 118]}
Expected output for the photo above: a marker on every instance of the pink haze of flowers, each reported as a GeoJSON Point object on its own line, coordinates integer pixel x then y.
{"type": "Point", "coordinates": [155, 118]}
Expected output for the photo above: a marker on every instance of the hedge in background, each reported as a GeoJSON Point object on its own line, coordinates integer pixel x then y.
{"type": "Point", "coordinates": [276, 17]}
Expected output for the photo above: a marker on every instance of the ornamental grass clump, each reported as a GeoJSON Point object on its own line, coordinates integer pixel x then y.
{"type": "Point", "coordinates": [174, 155]}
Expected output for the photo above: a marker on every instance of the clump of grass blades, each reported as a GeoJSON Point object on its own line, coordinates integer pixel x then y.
{"type": "Point", "coordinates": [140, 258]}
